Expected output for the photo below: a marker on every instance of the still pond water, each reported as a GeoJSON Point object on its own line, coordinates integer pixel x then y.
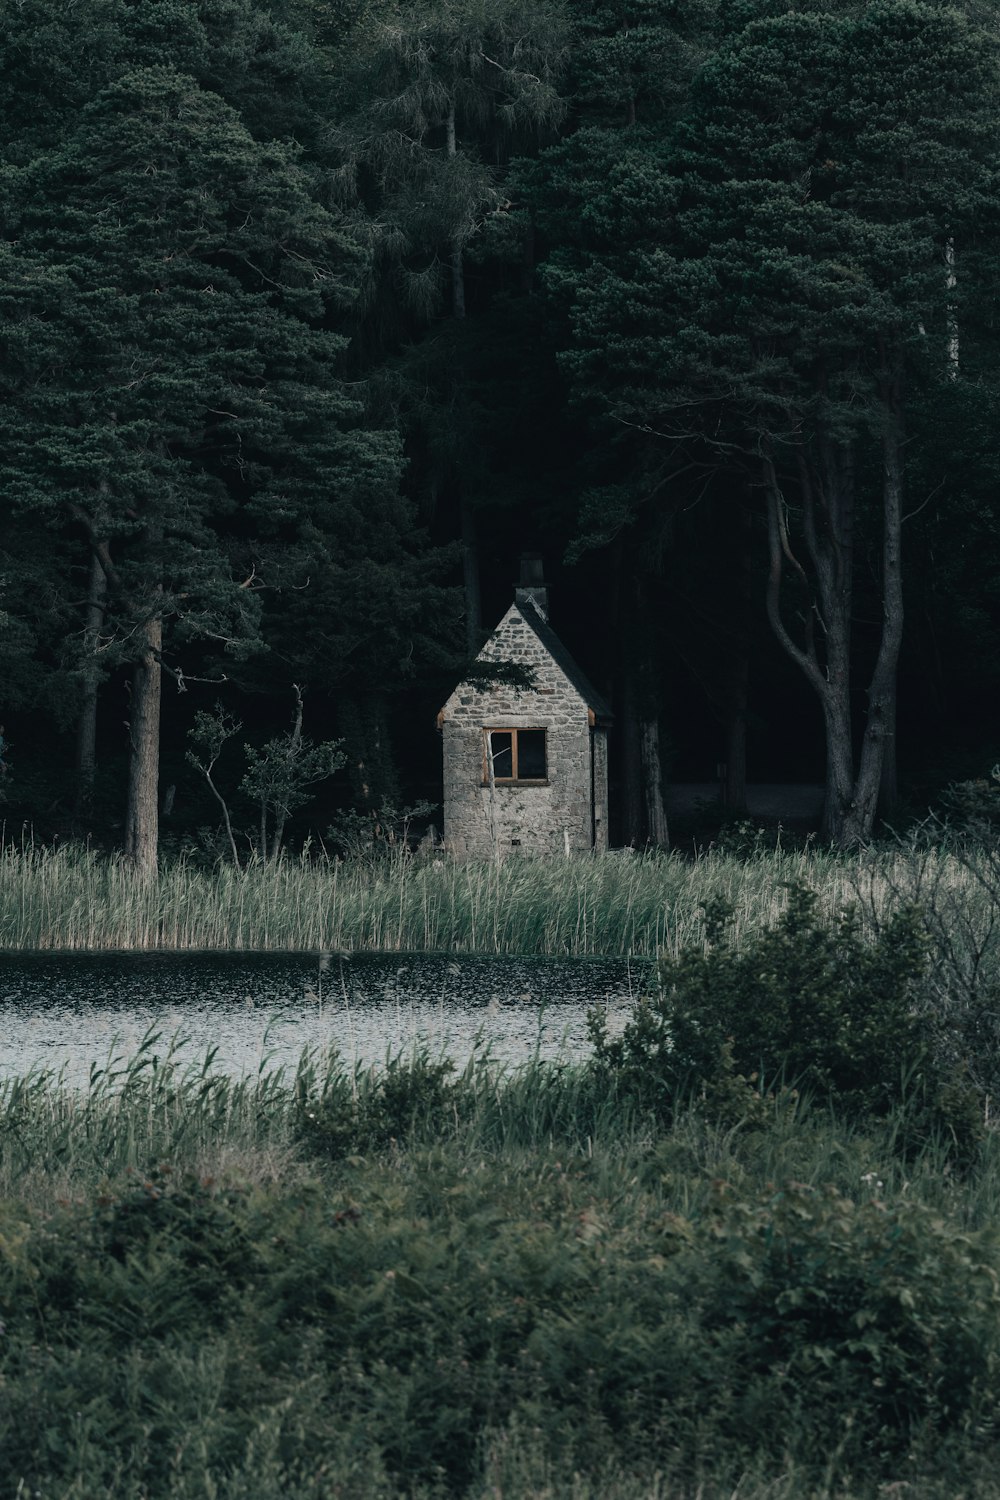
{"type": "Point", "coordinates": [72, 1012]}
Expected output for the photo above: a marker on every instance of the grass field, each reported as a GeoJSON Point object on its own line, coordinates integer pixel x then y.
{"type": "Point", "coordinates": [408, 1284]}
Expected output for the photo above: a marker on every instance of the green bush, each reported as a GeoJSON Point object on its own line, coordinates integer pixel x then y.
{"type": "Point", "coordinates": [856, 1321]}
{"type": "Point", "coordinates": [340, 1112]}
{"type": "Point", "coordinates": [805, 1004]}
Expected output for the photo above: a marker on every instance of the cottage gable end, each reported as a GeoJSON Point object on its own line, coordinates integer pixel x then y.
{"type": "Point", "coordinates": [524, 638]}
{"type": "Point", "coordinates": [525, 768]}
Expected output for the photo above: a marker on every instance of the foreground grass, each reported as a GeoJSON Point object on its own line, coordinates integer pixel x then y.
{"type": "Point", "coordinates": [406, 1284]}
{"type": "Point", "coordinates": [618, 903]}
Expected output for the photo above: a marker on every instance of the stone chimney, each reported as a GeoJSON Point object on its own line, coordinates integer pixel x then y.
{"type": "Point", "coordinates": [531, 589]}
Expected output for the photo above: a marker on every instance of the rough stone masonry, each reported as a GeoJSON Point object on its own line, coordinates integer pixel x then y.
{"type": "Point", "coordinates": [491, 816]}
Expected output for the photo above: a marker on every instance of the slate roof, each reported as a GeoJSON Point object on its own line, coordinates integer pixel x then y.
{"type": "Point", "coordinates": [563, 660]}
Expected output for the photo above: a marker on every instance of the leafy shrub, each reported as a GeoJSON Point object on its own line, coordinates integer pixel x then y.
{"type": "Point", "coordinates": [878, 1319]}
{"type": "Point", "coordinates": [975, 805]}
{"type": "Point", "coordinates": [379, 838]}
{"type": "Point", "coordinates": [804, 1003]}
{"type": "Point", "coordinates": [341, 1113]}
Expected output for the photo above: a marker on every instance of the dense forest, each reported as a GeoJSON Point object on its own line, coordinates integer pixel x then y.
{"type": "Point", "coordinates": [316, 315]}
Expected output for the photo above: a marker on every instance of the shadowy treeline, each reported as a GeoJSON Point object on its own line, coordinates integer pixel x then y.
{"type": "Point", "coordinates": [315, 316]}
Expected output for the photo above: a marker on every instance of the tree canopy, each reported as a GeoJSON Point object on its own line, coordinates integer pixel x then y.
{"type": "Point", "coordinates": [767, 285]}
{"type": "Point", "coordinates": [314, 316]}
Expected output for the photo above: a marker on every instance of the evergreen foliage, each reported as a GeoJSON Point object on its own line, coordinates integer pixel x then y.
{"type": "Point", "coordinates": [766, 281]}
{"type": "Point", "coordinates": [314, 315]}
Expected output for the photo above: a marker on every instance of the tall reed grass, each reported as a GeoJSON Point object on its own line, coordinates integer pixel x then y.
{"type": "Point", "coordinates": [613, 904]}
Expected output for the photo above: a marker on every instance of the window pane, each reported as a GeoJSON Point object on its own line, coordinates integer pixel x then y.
{"type": "Point", "coordinates": [503, 759]}
{"type": "Point", "coordinates": [531, 755]}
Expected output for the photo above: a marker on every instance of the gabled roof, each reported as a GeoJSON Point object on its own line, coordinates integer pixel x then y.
{"type": "Point", "coordinates": [554, 646]}
{"type": "Point", "coordinates": [598, 706]}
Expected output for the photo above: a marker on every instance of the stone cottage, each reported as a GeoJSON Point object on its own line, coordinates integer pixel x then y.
{"type": "Point", "coordinates": [526, 769]}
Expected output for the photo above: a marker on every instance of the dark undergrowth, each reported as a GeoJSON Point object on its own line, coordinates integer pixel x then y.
{"type": "Point", "coordinates": [413, 1283]}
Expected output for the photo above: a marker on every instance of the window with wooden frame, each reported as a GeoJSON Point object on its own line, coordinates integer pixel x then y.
{"type": "Point", "coordinates": [516, 755]}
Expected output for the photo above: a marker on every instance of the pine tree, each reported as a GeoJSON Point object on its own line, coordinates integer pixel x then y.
{"type": "Point", "coordinates": [166, 282]}
{"type": "Point", "coordinates": [446, 91]}
{"type": "Point", "coordinates": [773, 284]}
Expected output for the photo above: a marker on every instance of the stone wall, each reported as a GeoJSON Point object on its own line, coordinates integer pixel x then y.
{"type": "Point", "coordinates": [547, 818]}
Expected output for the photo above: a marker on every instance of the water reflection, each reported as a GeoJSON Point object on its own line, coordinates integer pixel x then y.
{"type": "Point", "coordinates": [73, 1011]}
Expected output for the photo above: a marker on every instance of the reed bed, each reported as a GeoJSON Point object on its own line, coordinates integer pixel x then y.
{"type": "Point", "coordinates": [72, 898]}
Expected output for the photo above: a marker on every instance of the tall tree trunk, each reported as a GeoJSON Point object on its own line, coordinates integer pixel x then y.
{"type": "Point", "coordinates": [631, 803]}
{"type": "Point", "coordinates": [86, 732]}
{"type": "Point", "coordinates": [838, 801]}
{"type": "Point", "coordinates": [838, 808]}
{"type": "Point", "coordinates": [828, 524]}
{"type": "Point", "coordinates": [657, 831]}
{"type": "Point", "coordinates": [457, 279]}
{"type": "Point", "coordinates": [880, 722]}
{"type": "Point", "coordinates": [470, 541]}
{"type": "Point", "coordinates": [644, 815]}
{"type": "Point", "coordinates": [950, 281]}
{"type": "Point", "coordinates": [888, 790]}
{"type": "Point", "coordinates": [829, 538]}
{"type": "Point", "coordinates": [734, 786]}
{"type": "Point", "coordinates": [457, 262]}
{"type": "Point", "coordinates": [281, 811]}
{"type": "Point", "coordinates": [142, 814]}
